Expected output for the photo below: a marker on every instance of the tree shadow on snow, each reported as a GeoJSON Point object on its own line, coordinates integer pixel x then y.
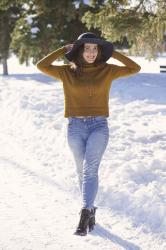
{"type": "Point", "coordinates": [41, 78]}
{"type": "Point", "coordinates": [34, 173]}
{"type": "Point", "coordinates": [140, 87]}
{"type": "Point", "coordinates": [104, 233]}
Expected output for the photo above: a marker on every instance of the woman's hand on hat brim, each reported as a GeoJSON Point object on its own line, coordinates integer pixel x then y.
{"type": "Point", "coordinates": [69, 46]}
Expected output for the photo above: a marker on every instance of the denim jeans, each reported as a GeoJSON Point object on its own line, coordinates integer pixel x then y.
{"type": "Point", "coordinates": [87, 139]}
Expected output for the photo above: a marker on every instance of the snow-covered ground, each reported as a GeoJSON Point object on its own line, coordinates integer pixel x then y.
{"type": "Point", "coordinates": [39, 195]}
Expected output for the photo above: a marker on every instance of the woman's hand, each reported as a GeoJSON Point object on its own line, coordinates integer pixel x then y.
{"type": "Point", "coordinates": [69, 46]}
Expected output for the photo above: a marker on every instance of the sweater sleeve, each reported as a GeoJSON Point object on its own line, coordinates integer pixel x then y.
{"type": "Point", "coordinates": [130, 67]}
{"type": "Point", "coordinates": [45, 65]}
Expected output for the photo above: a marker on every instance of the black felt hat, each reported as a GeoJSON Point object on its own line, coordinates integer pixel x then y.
{"type": "Point", "coordinates": [89, 37]}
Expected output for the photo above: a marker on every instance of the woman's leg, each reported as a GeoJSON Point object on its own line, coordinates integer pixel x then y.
{"type": "Point", "coordinates": [95, 147]}
{"type": "Point", "coordinates": [87, 140]}
{"type": "Point", "coordinates": [77, 145]}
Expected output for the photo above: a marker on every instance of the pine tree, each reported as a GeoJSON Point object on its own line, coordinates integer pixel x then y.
{"type": "Point", "coordinates": [38, 27]}
{"type": "Point", "coordinates": [9, 14]}
{"type": "Point", "coordinates": [143, 25]}
{"type": "Point", "coordinates": [46, 25]}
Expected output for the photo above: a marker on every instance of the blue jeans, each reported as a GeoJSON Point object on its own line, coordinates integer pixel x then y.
{"type": "Point", "coordinates": [87, 139]}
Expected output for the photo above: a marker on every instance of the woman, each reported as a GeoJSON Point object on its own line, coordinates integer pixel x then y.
{"type": "Point", "coordinates": [86, 83]}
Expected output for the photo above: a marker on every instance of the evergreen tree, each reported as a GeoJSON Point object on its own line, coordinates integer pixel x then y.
{"type": "Point", "coordinates": [143, 25]}
{"type": "Point", "coordinates": [9, 14]}
{"type": "Point", "coordinates": [46, 25]}
{"type": "Point", "coordinates": [36, 27]}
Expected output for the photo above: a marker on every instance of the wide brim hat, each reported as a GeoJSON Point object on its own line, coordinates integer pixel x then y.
{"type": "Point", "coordinates": [88, 37]}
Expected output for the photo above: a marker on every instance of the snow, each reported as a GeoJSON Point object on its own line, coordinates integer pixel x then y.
{"type": "Point", "coordinates": [152, 66]}
{"type": "Point", "coordinates": [49, 25]}
{"type": "Point", "coordinates": [39, 195]}
{"type": "Point", "coordinates": [26, 6]}
{"type": "Point", "coordinates": [35, 30]}
{"type": "Point", "coordinates": [29, 18]}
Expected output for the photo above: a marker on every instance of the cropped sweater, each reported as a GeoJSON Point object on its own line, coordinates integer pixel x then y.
{"type": "Point", "coordinates": [88, 94]}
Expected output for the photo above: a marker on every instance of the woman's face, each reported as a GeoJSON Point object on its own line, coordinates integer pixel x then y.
{"type": "Point", "coordinates": [90, 52]}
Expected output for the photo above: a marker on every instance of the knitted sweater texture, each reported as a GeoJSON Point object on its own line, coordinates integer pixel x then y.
{"type": "Point", "coordinates": [88, 94]}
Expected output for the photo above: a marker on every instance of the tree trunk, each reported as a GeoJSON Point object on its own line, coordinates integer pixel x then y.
{"type": "Point", "coordinates": [27, 63]}
{"type": "Point", "coordinates": [5, 68]}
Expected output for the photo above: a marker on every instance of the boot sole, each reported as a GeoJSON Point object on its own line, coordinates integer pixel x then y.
{"type": "Point", "coordinates": [80, 234]}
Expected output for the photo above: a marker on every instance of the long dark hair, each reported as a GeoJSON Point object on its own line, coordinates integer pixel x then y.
{"type": "Point", "coordinates": [78, 60]}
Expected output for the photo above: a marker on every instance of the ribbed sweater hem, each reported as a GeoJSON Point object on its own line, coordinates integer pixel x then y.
{"type": "Point", "coordinates": [86, 112]}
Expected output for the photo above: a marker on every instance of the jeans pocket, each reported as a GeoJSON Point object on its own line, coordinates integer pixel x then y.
{"type": "Point", "coordinates": [101, 121]}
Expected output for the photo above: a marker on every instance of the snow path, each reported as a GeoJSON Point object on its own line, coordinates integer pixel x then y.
{"type": "Point", "coordinates": [39, 198]}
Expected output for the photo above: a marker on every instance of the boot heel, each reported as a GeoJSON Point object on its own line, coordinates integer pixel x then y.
{"type": "Point", "coordinates": [92, 220]}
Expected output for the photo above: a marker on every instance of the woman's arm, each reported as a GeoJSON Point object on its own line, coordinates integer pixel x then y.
{"type": "Point", "coordinates": [45, 64]}
{"type": "Point", "coordinates": [130, 66]}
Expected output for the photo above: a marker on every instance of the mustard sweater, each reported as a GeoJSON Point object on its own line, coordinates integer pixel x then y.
{"type": "Point", "coordinates": [87, 95]}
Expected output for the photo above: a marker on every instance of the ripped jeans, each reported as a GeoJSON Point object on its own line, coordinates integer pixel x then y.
{"type": "Point", "coordinates": [87, 139]}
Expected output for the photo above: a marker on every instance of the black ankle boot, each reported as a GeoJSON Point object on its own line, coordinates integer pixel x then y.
{"type": "Point", "coordinates": [83, 223]}
{"type": "Point", "coordinates": [92, 220]}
